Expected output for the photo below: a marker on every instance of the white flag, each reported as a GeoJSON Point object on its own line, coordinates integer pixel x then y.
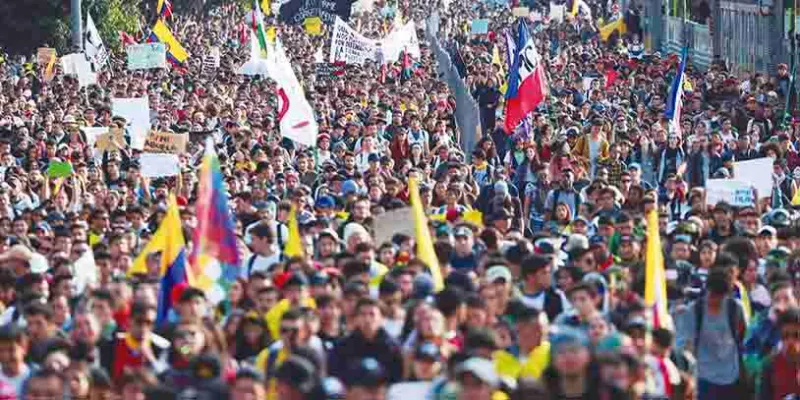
{"type": "Point", "coordinates": [255, 65]}
{"type": "Point", "coordinates": [93, 45]}
{"type": "Point", "coordinates": [295, 114]}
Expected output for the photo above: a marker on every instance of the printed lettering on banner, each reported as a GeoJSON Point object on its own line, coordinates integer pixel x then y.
{"type": "Point", "coordinates": [351, 47]}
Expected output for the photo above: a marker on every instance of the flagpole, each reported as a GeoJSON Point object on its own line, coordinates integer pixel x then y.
{"type": "Point", "coordinates": [75, 20]}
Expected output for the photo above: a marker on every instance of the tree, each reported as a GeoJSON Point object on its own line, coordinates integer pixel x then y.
{"type": "Point", "coordinates": [112, 16]}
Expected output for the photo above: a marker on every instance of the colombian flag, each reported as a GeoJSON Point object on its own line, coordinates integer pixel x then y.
{"type": "Point", "coordinates": [214, 257]}
{"type": "Point", "coordinates": [176, 54]}
{"type": "Point", "coordinates": [167, 241]}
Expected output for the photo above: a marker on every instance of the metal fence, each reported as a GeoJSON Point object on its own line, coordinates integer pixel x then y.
{"type": "Point", "coordinates": [467, 112]}
{"type": "Point", "coordinates": [742, 33]}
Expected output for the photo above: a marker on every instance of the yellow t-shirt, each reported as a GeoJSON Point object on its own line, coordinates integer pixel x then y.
{"type": "Point", "coordinates": [509, 366]}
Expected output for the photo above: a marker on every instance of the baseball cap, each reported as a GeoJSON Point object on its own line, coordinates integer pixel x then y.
{"type": "Point", "coordinates": [498, 272]}
{"type": "Point", "coordinates": [462, 231]}
{"type": "Point", "coordinates": [767, 230]}
{"type": "Point", "coordinates": [325, 202]}
{"type": "Point", "coordinates": [349, 187]}
{"type": "Point", "coordinates": [480, 368]}
{"type": "Point", "coordinates": [367, 372]}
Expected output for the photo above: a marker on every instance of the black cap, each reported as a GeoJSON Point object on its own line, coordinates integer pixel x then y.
{"type": "Point", "coordinates": [298, 372]}
{"type": "Point", "coordinates": [297, 279]}
{"type": "Point", "coordinates": [367, 372]}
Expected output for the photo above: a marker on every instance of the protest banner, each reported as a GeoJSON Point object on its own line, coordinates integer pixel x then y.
{"type": "Point", "coordinates": [734, 192]}
{"type": "Point", "coordinates": [159, 165]}
{"type": "Point", "coordinates": [295, 12]}
{"type": "Point", "coordinates": [165, 142]}
{"type": "Point", "coordinates": [400, 39]}
{"type": "Point", "coordinates": [351, 47]}
{"type": "Point", "coordinates": [521, 12]}
{"type": "Point", "coordinates": [137, 113]}
{"type": "Point", "coordinates": [211, 61]}
{"type": "Point", "coordinates": [114, 139]}
{"type": "Point", "coordinates": [480, 26]}
{"type": "Point", "coordinates": [758, 172]}
{"type": "Point", "coordinates": [392, 222]}
{"type": "Point", "coordinates": [146, 56]}
{"type": "Point", "coordinates": [329, 71]}
{"type": "Point", "coordinates": [93, 46]}
{"type": "Point", "coordinates": [313, 26]}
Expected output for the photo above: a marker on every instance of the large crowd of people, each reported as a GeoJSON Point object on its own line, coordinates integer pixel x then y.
{"type": "Point", "coordinates": [543, 291]}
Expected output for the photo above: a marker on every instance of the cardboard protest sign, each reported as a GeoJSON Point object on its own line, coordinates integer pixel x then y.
{"type": "Point", "coordinates": [351, 47]}
{"type": "Point", "coordinates": [114, 139]}
{"type": "Point", "coordinates": [137, 112]}
{"type": "Point", "coordinates": [392, 222]}
{"type": "Point", "coordinates": [313, 26]}
{"type": "Point", "coordinates": [520, 11]}
{"type": "Point", "coordinates": [146, 56]}
{"type": "Point", "coordinates": [734, 192]}
{"type": "Point", "coordinates": [46, 58]}
{"type": "Point", "coordinates": [159, 165]}
{"type": "Point", "coordinates": [480, 26]}
{"type": "Point", "coordinates": [165, 142]}
{"type": "Point", "coordinates": [758, 172]}
{"type": "Point", "coordinates": [92, 133]}
{"type": "Point", "coordinates": [59, 169]}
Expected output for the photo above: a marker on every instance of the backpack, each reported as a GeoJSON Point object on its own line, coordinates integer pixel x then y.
{"type": "Point", "coordinates": [745, 381]}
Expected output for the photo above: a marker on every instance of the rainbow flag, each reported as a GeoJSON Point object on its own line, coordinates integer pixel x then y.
{"type": "Point", "coordinates": [215, 258]}
{"type": "Point", "coordinates": [164, 8]}
{"type": "Point", "coordinates": [176, 54]}
{"type": "Point", "coordinates": [169, 243]}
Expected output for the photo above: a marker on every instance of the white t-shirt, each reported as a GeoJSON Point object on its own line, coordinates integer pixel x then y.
{"type": "Point", "coordinates": [18, 381]}
{"type": "Point", "coordinates": [259, 263]}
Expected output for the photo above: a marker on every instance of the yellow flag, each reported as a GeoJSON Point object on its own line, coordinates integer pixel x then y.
{"type": "Point", "coordinates": [271, 34]}
{"type": "Point", "coordinates": [609, 28]}
{"type": "Point", "coordinates": [574, 10]}
{"type": "Point", "coordinates": [266, 7]}
{"type": "Point", "coordinates": [168, 240]}
{"type": "Point", "coordinates": [294, 245]}
{"type": "Point", "coordinates": [474, 217]}
{"type": "Point", "coordinates": [496, 57]}
{"type": "Point", "coordinates": [796, 198]}
{"type": "Point", "coordinates": [425, 251]}
{"type": "Point", "coordinates": [655, 289]}
{"type": "Point", "coordinates": [398, 18]}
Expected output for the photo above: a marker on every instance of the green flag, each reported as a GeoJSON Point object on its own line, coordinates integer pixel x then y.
{"type": "Point", "coordinates": [258, 28]}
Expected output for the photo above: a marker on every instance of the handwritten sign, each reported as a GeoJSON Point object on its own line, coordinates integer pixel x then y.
{"type": "Point", "coordinates": [520, 11]}
{"type": "Point", "coordinates": [159, 165]}
{"type": "Point", "coordinates": [164, 142]}
{"type": "Point", "coordinates": [137, 112]}
{"type": "Point", "coordinates": [734, 192]}
{"type": "Point", "coordinates": [391, 222]}
{"type": "Point", "coordinates": [480, 26]}
{"type": "Point", "coordinates": [313, 26]}
{"type": "Point", "coordinates": [329, 71]}
{"type": "Point", "coordinates": [758, 171]}
{"type": "Point", "coordinates": [114, 139]}
{"type": "Point", "coordinates": [146, 56]}
{"type": "Point", "coordinates": [351, 47]}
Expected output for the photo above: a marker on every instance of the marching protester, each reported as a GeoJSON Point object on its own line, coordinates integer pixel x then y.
{"type": "Point", "coordinates": [388, 199]}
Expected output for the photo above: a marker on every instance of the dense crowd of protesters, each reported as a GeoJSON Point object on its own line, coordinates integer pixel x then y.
{"type": "Point", "coordinates": [543, 294]}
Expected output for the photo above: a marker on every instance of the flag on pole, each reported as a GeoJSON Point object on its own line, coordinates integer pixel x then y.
{"type": "Point", "coordinates": [126, 39]}
{"type": "Point", "coordinates": [295, 115]}
{"type": "Point", "coordinates": [164, 8]}
{"type": "Point", "coordinates": [169, 246]}
{"type": "Point", "coordinates": [617, 25]}
{"type": "Point", "coordinates": [675, 101]}
{"type": "Point", "coordinates": [176, 54]}
{"type": "Point", "coordinates": [257, 24]}
{"type": "Point", "coordinates": [527, 83]}
{"type": "Point", "coordinates": [425, 251]}
{"type": "Point", "coordinates": [294, 244]}
{"type": "Point", "coordinates": [266, 7]}
{"type": "Point", "coordinates": [93, 45]}
{"type": "Point", "coordinates": [215, 258]}
{"type": "Point", "coordinates": [655, 289]}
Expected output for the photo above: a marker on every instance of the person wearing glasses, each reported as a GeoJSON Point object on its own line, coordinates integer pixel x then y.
{"type": "Point", "coordinates": [139, 347]}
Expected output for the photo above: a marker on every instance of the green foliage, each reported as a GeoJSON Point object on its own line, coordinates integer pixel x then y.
{"type": "Point", "coordinates": [112, 16]}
